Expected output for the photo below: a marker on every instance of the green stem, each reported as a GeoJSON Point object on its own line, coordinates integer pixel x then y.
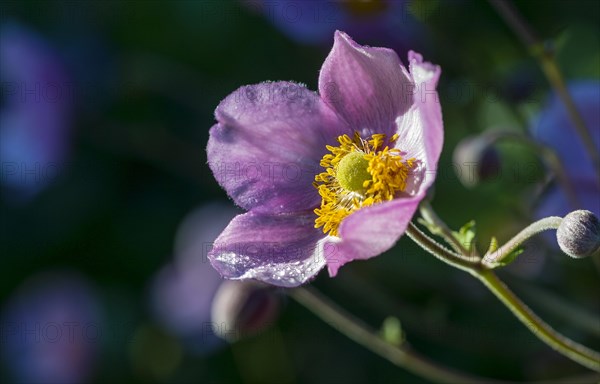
{"type": "Point", "coordinates": [462, 262]}
{"type": "Point", "coordinates": [402, 356]}
{"type": "Point", "coordinates": [444, 231]}
{"type": "Point", "coordinates": [548, 64]}
{"type": "Point", "coordinates": [562, 308]}
{"type": "Point", "coordinates": [569, 348]}
{"type": "Point", "coordinates": [494, 258]}
{"type": "Point", "coordinates": [576, 352]}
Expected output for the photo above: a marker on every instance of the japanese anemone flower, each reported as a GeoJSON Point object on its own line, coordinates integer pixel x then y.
{"type": "Point", "coordinates": [326, 178]}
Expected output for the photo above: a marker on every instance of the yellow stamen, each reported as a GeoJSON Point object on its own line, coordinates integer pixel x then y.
{"type": "Point", "coordinates": [358, 173]}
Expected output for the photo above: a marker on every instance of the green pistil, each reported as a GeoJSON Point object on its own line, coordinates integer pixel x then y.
{"type": "Point", "coordinates": [352, 172]}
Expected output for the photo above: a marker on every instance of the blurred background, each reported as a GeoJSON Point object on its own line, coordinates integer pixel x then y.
{"type": "Point", "coordinates": [108, 207]}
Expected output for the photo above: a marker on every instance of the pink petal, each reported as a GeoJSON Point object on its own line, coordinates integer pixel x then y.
{"type": "Point", "coordinates": [370, 231]}
{"type": "Point", "coordinates": [422, 130]}
{"type": "Point", "coordinates": [283, 250]}
{"type": "Point", "coordinates": [265, 149]}
{"type": "Point", "coordinates": [366, 86]}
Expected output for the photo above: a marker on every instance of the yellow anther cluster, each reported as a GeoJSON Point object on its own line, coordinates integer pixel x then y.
{"type": "Point", "coordinates": [383, 173]}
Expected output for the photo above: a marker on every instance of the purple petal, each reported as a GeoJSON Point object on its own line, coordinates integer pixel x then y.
{"type": "Point", "coordinates": [283, 250]}
{"type": "Point", "coordinates": [265, 149]}
{"type": "Point", "coordinates": [421, 129]}
{"type": "Point", "coordinates": [554, 128]}
{"type": "Point", "coordinates": [366, 86]}
{"type": "Point", "coordinates": [200, 228]}
{"type": "Point", "coordinates": [370, 231]}
{"type": "Point", "coordinates": [556, 203]}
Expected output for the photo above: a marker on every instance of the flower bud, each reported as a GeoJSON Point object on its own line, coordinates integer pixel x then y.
{"type": "Point", "coordinates": [243, 308]}
{"type": "Point", "coordinates": [579, 234]}
{"type": "Point", "coordinates": [476, 160]}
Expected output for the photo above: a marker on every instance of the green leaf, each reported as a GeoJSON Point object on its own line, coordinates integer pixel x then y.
{"type": "Point", "coordinates": [493, 245]}
{"type": "Point", "coordinates": [509, 258]}
{"type": "Point", "coordinates": [391, 331]}
{"type": "Point", "coordinates": [466, 234]}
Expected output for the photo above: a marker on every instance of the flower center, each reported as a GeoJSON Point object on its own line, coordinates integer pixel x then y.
{"type": "Point", "coordinates": [358, 173]}
{"type": "Point", "coordinates": [352, 172]}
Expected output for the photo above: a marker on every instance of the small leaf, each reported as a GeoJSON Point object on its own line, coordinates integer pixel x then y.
{"type": "Point", "coordinates": [466, 234]}
{"type": "Point", "coordinates": [509, 258]}
{"type": "Point", "coordinates": [391, 331]}
{"type": "Point", "coordinates": [493, 245]}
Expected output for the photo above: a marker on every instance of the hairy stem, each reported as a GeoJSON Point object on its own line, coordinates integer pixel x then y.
{"type": "Point", "coordinates": [463, 262]}
{"type": "Point", "coordinates": [445, 232]}
{"type": "Point", "coordinates": [494, 258]}
{"type": "Point", "coordinates": [402, 356]}
{"type": "Point", "coordinates": [562, 344]}
{"type": "Point", "coordinates": [567, 347]}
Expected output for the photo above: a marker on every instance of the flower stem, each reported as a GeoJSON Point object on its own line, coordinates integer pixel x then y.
{"type": "Point", "coordinates": [445, 232]}
{"type": "Point", "coordinates": [569, 348]}
{"type": "Point", "coordinates": [494, 258]}
{"type": "Point", "coordinates": [463, 262]}
{"type": "Point", "coordinates": [548, 64]}
{"type": "Point", "coordinates": [562, 308]}
{"type": "Point", "coordinates": [576, 352]}
{"type": "Point", "coordinates": [402, 356]}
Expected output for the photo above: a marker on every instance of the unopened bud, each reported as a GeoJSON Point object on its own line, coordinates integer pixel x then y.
{"type": "Point", "coordinates": [476, 160]}
{"type": "Point", "coordinates": [579, 234]}
{"type": "Point", "coordinates": [243, 308]}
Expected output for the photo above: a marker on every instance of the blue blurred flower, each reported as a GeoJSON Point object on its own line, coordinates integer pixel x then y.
{"type": "Point", "coordinates": [185, 293]}
{"type": "Point", "coordinates": [51, 328]}
{"type": "Point", "coordinates": [34, 112]}
{"type": "Point", "coordinates": [553, 128]}
{"type": "Point", "coordinates": [381, 22]}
